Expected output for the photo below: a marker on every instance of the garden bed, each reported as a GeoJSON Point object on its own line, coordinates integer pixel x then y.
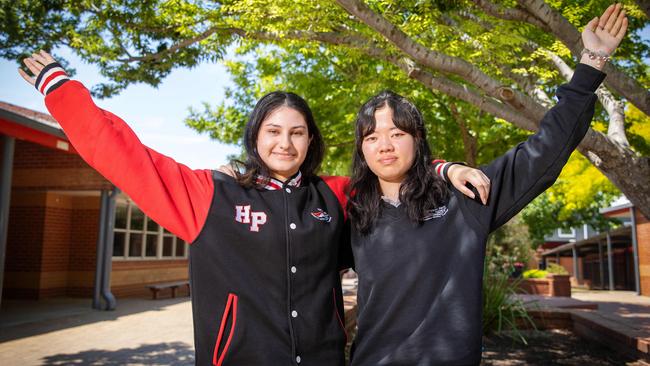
{"type": "Point", "coordinates": [551, 347]}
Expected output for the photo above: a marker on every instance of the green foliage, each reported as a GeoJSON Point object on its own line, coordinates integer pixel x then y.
{"type": "Point", "coordinates": [143, 41]}
{"type": "Point", "coordinates": [555, 268]}
{"type": "Point", "coordinates": [502, 309]}
{"type": "Point", "coordinates": [508, 245]}
{"type": "Point", "coordinates": [535, 273]}
{"type": "Point", "coordinates": [575, 199]}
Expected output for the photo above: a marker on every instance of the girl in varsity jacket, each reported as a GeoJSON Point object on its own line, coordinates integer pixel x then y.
{"type": "Point", "coordinates": [418, 246]}
{"type": "Point", "coordinates": [264, 253]}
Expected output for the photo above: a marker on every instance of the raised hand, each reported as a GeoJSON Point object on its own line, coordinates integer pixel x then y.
{"type": "Point", "coordinates": [602, 35]}
{"type": "Point", "coordinates": [47, 73]}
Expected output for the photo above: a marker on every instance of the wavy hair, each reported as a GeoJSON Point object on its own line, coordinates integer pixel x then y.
{"type": "Point", "coordinates": [421, 190]}
{"type": "Point", "coordinates": [246, 172]}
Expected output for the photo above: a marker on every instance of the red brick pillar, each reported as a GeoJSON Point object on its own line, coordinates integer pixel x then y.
{"type": "Point", "coordinates": [643, 241]}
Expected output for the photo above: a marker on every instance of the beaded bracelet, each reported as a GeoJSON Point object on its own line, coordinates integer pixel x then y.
{"type": "Point", "coordinates": [599, 56]}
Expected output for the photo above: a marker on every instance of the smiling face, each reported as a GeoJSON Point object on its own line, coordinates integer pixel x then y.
{"type": "Point", "coordinates": [388, 151]}
{"type": "Point", "coordinates": [283, 141]}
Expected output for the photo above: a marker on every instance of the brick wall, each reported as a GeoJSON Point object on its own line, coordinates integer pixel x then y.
{"type": "Point", "coordinates": [643, 240]}
{"type": "Point", "coordinates": [53, 228]}
{"type": "Point", "coordinates": [40, 168]}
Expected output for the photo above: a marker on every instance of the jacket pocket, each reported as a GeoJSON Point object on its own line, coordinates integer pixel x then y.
{"type": "Point", "coordinates": [338, 316]}
{"type": "Point", "coordinates": [229, 316]}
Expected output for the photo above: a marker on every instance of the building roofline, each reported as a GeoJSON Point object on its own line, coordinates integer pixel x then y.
{"type": "Point", "coordinates": [38, 121]}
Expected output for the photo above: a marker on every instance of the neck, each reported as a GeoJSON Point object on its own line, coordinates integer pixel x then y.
{"type": "Point", "coordinates": [280, 177]}
{"type": "Point", "coordinates": [390, 189]}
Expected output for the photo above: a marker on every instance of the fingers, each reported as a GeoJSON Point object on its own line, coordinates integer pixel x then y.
{"type": "Point", "coordinates": [612, 17]}
{"type": "Point", "coordinates": [40, 59]}
{"type": "Point", "coordinates": [33, 66]}
{"type": "Point", "coordinates": [605, 17]}
{"type": "Point", "coordinates": [619, 23]}
{"type": "Point", "coordinates": [466, 191]}
{"type": "Point", "coordinates": [593, 24]}
{"type": "Point", "coordinates": [482, 184]}
{"type": "Point", "coordinates": [47, 57]}
{"type": "Point", "coordinates": [27, 78]}
{"type": "Point", "coordinates": [227, 169]}
{"type": "Point", "coordinates": [621, 32]}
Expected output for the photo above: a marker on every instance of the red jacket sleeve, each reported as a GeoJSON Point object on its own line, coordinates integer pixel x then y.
{"type": "Point", "coordinates": [339, 186]}
{"type": "Point", "coordinates": [172, 194]}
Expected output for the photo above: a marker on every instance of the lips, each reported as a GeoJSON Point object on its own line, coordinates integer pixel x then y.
{"type": "Point", "coordinates": [388, 160]}
{"type": "Point", "coordinates": [283, 156]}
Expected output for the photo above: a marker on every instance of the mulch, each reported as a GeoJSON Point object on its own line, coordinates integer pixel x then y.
{"type": "Point", "coordinates": [551, 347]}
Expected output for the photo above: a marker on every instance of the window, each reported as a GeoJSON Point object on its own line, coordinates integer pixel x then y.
{"type": "Point", "coordinates": [136, 236]}
{"type": "Point", "coordinates": [571, 233]}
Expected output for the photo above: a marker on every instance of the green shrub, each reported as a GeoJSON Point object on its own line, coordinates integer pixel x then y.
{"type": "Point", "coordinates": [555, 268]}
{"type": "Point", "coordinates": [535, 273]}
{"type": "Point", "coordinates": [502, 309]}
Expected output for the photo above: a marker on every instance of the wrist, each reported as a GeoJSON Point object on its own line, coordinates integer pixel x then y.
{"type": "Point", "coordinates": [595, 59]}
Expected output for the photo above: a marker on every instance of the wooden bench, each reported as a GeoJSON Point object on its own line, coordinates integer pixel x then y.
{"type": "Point", "coordinates": [155, 288]}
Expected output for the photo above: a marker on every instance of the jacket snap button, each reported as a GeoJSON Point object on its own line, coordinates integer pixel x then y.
{"type": "Point", "coordinates": [294, 314]}
{"type": "Point", "coordinates": [292, 226]}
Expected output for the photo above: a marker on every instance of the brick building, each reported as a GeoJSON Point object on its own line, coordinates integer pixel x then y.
{"type": "Point", "coordinates": [615, 260]}
{"type": "Point", "coordinates": [54, 209]}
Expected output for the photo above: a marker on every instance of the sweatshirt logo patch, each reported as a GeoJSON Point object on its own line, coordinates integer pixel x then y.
{"type": "Point", "coordinates": [321, 215]}
{"type": "Point", "coordinates": [244, 215]}
{"type": "Point", "coordinates": [435, 213]}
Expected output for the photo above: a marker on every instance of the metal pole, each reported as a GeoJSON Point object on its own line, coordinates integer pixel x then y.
{"type": "Point", "coordinates": [111, 302]}
{"type": "Point", "coordinates": [601, 265]}
{"type": "Point", "coordinates": [635, 251]}
{"type": "Point", "coordinates": [99, 263]}
{"type": "Point", "coordinates": [8, 145]}
{"type": "Point", "coordinates": [575, 263]}
{"type": "Point", "coordinates": [610, 262]}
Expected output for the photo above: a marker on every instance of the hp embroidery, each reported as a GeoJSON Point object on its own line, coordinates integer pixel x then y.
{"type": "Point", "coordinates": [435, 213]}
{"type": "Point", "coordinates": [321, 215]}
{"type": "Point", "coordinates": [244, 215]}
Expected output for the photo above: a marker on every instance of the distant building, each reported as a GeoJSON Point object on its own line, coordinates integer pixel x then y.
{"type": "Point", "coordinates": [55, 204]}
{"type": "Point", "coordinates": [615, 260]}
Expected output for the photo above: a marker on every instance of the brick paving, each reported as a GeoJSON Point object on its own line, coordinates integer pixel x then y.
{"type": "Point", "coordinates": [139, 332]}
{"type": "Point", "coordinates": [618, 319]}
{"type": "Point", "coordinates": [147, 332]}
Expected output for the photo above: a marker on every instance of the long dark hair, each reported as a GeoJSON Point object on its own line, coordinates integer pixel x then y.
{"type": "Point", "coordinates": [421, 190]}
{"type": "Point", "coordinates": [247, 171]}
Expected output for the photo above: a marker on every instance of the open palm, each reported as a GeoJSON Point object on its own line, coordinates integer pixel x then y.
{"type": "Point", "coordinates": [604, 34]}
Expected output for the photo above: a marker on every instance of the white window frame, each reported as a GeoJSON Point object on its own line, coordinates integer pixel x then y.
{"type": "Point", "coordinates": [562, 234]}
{"type": "Point", "coordinates": [160, 233]}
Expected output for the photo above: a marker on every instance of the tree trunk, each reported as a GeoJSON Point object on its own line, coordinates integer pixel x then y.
{"type": "Point", "coordinates": [469, 141]}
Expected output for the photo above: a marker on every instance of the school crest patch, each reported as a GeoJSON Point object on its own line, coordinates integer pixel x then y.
{"type": "Point", "coordinates": [435, 213]}
{"type": "Point", "coordinates": [321, 215]}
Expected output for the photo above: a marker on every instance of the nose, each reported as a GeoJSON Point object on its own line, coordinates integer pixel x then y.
{"type": "Point", "coordinates": [385, 144]}
{"type": "Point", "coordinates": [285, 141]}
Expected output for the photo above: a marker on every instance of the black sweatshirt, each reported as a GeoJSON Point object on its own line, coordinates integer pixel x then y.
{"type": "Point", "coordinates": [420, 286]}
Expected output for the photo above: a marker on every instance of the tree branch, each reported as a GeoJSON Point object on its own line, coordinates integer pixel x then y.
{"type": "Point", "coordinates": [614, 108]}
{"type": "Point", "coordinates": [443, 63]}
{"type": "Point", "coordinates": [560, 27]}
{"type": "Point", "coordinates": [516, 14]}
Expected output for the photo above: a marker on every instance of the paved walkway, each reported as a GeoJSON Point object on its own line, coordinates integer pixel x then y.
{"type": "Point", "coordinates": [68, 332]}
{"type": "Point", "coordinates": [148, 332]}
{"type": "Point", "coordinates": [617, 318]}
{"type": "Point", "coordinates": [620, 306]}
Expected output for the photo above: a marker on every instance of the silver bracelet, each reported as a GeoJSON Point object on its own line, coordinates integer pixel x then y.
{"type": "Point", "coordinates": [600, 56]}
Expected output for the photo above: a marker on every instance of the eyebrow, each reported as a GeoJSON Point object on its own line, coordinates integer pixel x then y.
{"type": "Point", "coordinates": [278, 126]}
